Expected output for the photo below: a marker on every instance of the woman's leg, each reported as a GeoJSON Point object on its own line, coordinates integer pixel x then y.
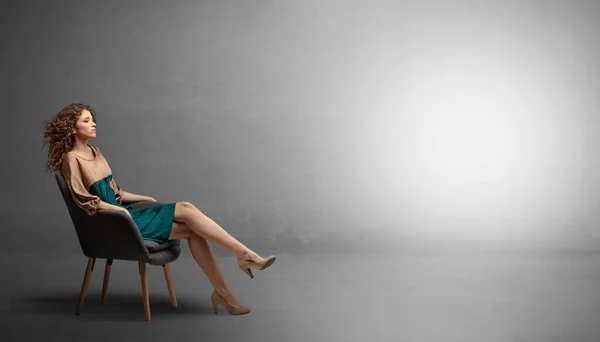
{"type": "Point", "coordinates": [202, 253]}
{"type": "Point", "coordinates": [205, 227]}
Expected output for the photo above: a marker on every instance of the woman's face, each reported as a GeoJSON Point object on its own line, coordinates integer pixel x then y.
{"type": "Point", "coordinates": [86, 126]}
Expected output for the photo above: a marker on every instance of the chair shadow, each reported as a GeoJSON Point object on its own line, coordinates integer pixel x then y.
{"type": "Point", "coordinates": [117, 307]}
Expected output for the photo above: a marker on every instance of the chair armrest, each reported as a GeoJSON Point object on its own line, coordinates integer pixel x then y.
{"type": "Point", "coordinates": [111, 234]}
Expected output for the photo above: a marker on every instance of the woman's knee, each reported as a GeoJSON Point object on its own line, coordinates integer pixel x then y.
{"type": "Point", "coordinates": [188, 206]}
{"type": "Point", "coordinates": [184, 206]}
{"type": "Point", "coordinates": [184, 209]}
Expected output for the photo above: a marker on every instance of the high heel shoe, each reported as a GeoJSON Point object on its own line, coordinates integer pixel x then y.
{"type": "Point", "coordinates": [217, 299]}
{"type": "Point", "coordinates": [246, 265]}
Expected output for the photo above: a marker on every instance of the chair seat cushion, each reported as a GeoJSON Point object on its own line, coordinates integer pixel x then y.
{"type": "Point", "coordinates": [154, 246]}
{"type": "Point", "coordinates": [165, 256]}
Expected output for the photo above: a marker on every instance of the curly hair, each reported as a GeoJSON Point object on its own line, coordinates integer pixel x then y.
{"type": "Point", "coordinates": [59, 136]}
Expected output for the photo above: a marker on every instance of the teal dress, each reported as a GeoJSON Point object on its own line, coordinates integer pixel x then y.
{"type": "Point", "coordinates": [154, 222]}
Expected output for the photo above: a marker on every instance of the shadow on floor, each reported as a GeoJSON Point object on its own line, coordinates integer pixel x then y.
{"type": "Point", "coordinates": [118, 306]}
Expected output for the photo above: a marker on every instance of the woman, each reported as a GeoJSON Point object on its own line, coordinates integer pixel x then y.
{"type": "Point", "coordinates": [90, 180]}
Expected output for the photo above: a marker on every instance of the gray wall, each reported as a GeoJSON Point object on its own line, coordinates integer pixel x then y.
{"type": "Point", "coordinates": [318, 126]}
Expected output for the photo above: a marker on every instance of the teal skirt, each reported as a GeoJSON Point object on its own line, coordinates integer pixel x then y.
{"type": "Point", "coordinates": [154, 222]}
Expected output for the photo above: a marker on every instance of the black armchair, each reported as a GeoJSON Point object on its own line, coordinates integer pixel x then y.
{"type": "Point", "coordinates": [110, 235]}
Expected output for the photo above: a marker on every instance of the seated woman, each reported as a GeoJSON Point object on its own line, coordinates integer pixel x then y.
{"type": "Point", "coordinates": [92, 185]}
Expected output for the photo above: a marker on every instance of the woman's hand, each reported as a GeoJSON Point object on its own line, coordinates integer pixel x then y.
{"type": "Point", "coordinates": [151, 199]}
{"type": "Point", "coordinates": [126, 212]}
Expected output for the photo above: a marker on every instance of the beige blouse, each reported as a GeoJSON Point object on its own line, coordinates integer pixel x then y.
{"type": "Point", "coordinates": [80, 173]}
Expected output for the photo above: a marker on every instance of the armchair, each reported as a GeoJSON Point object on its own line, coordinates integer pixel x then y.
{"type": "Point", "coordinates": [113, 235]}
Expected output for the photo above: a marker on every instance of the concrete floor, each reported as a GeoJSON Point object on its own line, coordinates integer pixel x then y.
{"type": "Point", "coordinates": [314, 298]}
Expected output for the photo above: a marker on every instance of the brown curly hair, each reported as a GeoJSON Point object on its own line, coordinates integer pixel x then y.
{"type": "Point", "coordinates": [58, 134]}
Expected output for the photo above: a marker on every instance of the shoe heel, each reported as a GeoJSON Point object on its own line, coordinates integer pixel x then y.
{"type": "Point", "coordinates": [217, 299]}
{"type": "Point", "coordinates": [214, 299]}
{"type": "Point", "coordinates": [248, 272]}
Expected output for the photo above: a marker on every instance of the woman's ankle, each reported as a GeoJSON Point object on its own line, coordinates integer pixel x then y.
{"type": "Point", "coordinates": [246, 255]}
{"type": "Point", "coordinates": [223, 292]}
{"type": "Point", "coordinates": [227, 295]}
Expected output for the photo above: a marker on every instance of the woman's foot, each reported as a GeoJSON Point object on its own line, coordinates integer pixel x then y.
{"type": "Point", "coordinates": [228, 297]}
{"type": "Point", "coordinates": [229, 304]}
{"type": "Point", "coordinates": [250, 255]}
{"type": "Point", "coordinates": [246, 265]}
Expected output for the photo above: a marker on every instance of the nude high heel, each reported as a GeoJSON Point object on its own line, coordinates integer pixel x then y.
{"type": "Point", "coordinates": [246, 265]}
{"type": "Point", "coordinates": [217, 299]}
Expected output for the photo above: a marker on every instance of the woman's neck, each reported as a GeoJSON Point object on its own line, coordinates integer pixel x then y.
{"type": "Point", "coordinates": [80, 146]}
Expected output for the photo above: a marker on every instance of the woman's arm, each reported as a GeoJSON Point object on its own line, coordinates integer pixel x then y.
{"type": "Point", "coordinates": [129, 197]}
{"type": "Point", "coordinates": [107, 206]}
{"type": "Point", "coordinates": [124, 196]}
{"type": "Point", "coordinates": [72, 175]}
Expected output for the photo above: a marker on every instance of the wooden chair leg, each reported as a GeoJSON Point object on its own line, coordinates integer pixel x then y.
{"type": "Point", "coordinates": [105, 282]}
{"type": "Point", "coordinates": [145, 295]}
{"type": "Point", "coordinates": [84, 286]}
{"type": "Point", "coordinates": [170, 284]}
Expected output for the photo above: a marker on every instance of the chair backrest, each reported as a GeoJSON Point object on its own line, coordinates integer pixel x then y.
{"type": "Point", "coordinates": [75, 212]}
{"type": "Point", "coordinates": [103, 235]}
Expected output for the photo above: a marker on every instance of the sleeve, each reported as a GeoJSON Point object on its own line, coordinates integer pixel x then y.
{"type": "Point", "coordinates": [81, 196]}
{"type": "Point", "coordinates": [113, 184]}
{"type": "Point", "coordinates": [118, 190]}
